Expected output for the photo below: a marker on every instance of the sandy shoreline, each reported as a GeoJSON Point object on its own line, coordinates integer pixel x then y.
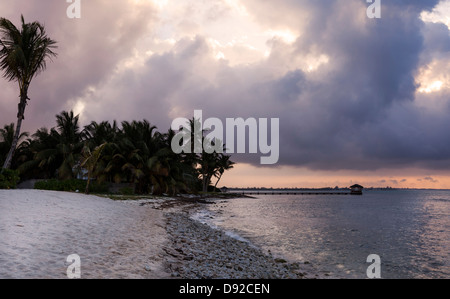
{"type": "Point", "coordinates": [144, 239]}
{"type": "Point", "coordinates": [40, 229]}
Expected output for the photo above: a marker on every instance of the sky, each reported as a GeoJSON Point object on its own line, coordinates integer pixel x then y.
{"type": "Point", "coordinates": [359, 100]}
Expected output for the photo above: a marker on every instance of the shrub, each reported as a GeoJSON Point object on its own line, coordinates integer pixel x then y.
{"type": "Point", "coordinates": [71, 186]}
{"type": "Point", "coordinates": [9, 179]}
{"type": "Point", "coordinates": [96, 187]}
{"type": "Point", "coordinates": [126, 191]}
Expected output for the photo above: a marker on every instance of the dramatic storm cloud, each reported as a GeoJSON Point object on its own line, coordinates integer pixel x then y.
{"type": "Point", "coordinates": [351, 93]}
{"type": "Point", "coordinates": [88, 52]}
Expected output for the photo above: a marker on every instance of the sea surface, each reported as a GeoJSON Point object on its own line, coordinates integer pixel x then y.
{"type": "Point", "coordinates": [408, 229]}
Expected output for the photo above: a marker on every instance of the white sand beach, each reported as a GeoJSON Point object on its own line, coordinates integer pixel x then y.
{"type": "Point", "coordinates": [137, 239]}
{"type": "Point", "coordinates": [40, 229]}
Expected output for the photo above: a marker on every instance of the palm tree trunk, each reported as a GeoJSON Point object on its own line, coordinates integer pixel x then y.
{"type": "Point", "coordinates": [20, 117]}
{"type": "Point", "coordinates": [86, 191]}
{"type": "Point", "coordinates": [215, 186]}
{"type": "Point", "coordinates": [204, 185]}
{"type": "Point", "coordinates": [206, 181]}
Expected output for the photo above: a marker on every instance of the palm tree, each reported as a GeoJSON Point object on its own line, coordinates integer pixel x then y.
{"type": "Point", "coordinates": [56, 152]}
{"type": "Point", "coordinates": [70, 143]}
{"type": "Point", "coordinates": [96, 134]}
{"type": "Point", "coordinates": [208, 162]}
{"type": "Point", "coordinates": [43, 159]}
{"type": "Point", "coordinates": [6, 139]}
{"type": "Point", "coordinates": [142, 154]}
{"type": "Point", "coordinates": [23, 56]}
{"type": "Point", "coordinates": [224, 163]}
{"type": "Point", "coordinates": [90, 162]}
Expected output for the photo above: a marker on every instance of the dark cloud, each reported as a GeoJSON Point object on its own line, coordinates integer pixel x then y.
{"type": "Point", "coordinates": [358, 111]}
{"type": "Point", "coordinates": [430, 179]}
{"type": "Point", "coordinates": [89, 50]}
{"type": "Point", "coordinates": [362, 115]}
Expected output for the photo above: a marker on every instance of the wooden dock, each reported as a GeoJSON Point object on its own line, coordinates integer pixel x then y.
{"type": "Point", "coordinates": [297, 193]}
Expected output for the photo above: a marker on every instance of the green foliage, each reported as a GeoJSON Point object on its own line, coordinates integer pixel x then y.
{"type": "Point", "coordinates": [6, 139]}
{"type": "Point", "coordinates": [126, 191]}
{"type": "Point", "coordinates": [24, 50]}
{"type": "Point", "coordinates": [135, 154]}
{"type": "Point", "coordinates": [70, 186]}
{"type": "Point", "coordinates": [9, 179]}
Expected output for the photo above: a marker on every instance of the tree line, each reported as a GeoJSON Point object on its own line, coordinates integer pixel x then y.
{"type": "Point", "coordinates": [134, 152]}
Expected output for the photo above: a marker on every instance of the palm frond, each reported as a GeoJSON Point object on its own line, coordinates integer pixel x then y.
{"type": "Point", "coordinates": [24, 52]}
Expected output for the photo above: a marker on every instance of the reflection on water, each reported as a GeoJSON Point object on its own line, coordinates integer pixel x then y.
{"type": "Point", "coordinates": [408, 229]}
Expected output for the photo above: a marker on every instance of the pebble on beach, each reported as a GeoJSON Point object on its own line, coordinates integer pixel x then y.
{"type": "Point", "coordinates": [198, 251]}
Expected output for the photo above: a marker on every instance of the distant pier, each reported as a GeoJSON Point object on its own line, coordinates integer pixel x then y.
{"type": "Point", "coordinates": [296, 193]}
{"type": "Point", "coordinates": [353, 190]}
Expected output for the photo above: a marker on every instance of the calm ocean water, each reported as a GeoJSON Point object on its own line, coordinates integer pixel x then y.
{"type": "Point", "coordinates": [408, 229]}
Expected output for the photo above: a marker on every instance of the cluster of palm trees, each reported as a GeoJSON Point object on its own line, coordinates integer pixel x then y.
{"type": "Point", "coordinates": [134, 153]}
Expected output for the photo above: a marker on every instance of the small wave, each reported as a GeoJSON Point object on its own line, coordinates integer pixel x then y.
{"type": "Point", "coordinates": [205, 217]}
{"type": "Point", "coordinates": [210, 218]}
{"type": "Point", "coordinates": [440, 199]}
{"type": "Point", "coordinates": [238, 237]}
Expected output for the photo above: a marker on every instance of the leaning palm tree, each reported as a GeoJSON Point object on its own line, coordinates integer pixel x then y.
{"type": "Point", "coordinates": [90, 162]}
{"type": "Point", "coordinates": [224, 163]}
{"type": "Point", "coordinates": [6, 139]}
{"type": "Point", "coordinates": [23, 55]}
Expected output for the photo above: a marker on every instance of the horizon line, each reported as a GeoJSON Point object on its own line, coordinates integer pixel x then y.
{"type": "Point", "coordinates": [319, 188]}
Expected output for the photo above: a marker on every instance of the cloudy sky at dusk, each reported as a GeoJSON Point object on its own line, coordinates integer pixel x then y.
{"type": "Point", "coordinates": [359, 100]}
